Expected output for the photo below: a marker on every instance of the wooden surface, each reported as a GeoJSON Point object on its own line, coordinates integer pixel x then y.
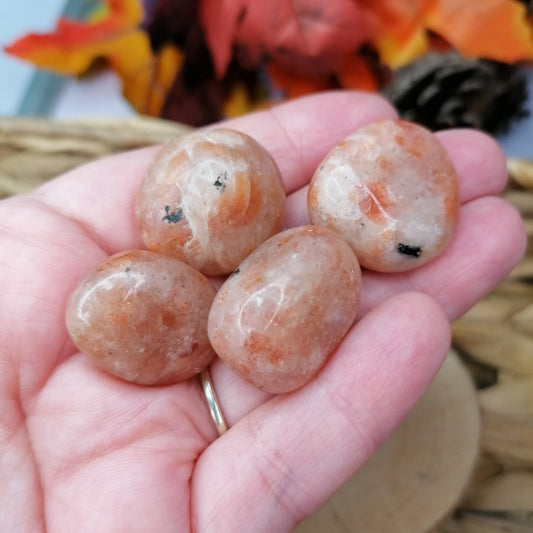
{"type": "Point", "coordinates": [418, 475]}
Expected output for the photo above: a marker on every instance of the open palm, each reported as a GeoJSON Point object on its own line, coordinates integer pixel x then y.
{"type": "Point", "coordinates": [82, 451]}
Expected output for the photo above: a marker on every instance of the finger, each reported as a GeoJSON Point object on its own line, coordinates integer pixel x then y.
{"type": "Point", "coordinates": [290, 454]}
{"type": "Point", "coordinates": [101, 195]}
{"type": "Point", "coordinates": [487, 244]}
{"type": "Point", "coordinates": [97, 437]}
{"type": "Point", "coordinates": [296, 213]}
{"type": "Point", "coordinates": [237, 396]}
{"type": "Point", "coordinates": [478, 160]}
{"type": "Point", "coordinates": [300, 133]}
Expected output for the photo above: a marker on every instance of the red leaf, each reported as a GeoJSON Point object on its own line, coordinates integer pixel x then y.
{"type": "Point", "coordinates": [307, 36]}
{"type": "Point", "coordinates": [354, 73]}
{"type": "Point", "coordinates": [219, 21]}
{"type": "Point", "coordinates": [295, 85]}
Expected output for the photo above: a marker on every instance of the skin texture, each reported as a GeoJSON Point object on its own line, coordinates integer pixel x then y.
{"type": "Point", "coordinates": [82, 451]}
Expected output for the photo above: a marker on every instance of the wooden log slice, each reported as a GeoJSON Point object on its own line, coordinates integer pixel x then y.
{"type": "Point", "coordinates": [419, 473]}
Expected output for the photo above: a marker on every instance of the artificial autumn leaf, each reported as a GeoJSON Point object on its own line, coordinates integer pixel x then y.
{"type": "Point", "coordinates": [74, 46]}
{"type": "Point", "coordinates": [396, 54]}
{"type": "Point", "coordinates": [494, 29]}
{"type": "Point", "coordinates": [294, 85]}
{"type": "Point", "coordinates": [354, 73]}
{"type": "Point", "coordinates": [308, 37]}
{"type": "Point", "coordinates": [397, 29]}
{"type": "Point", "coordinates": [219, 22]}
{"type": "Point", "coordinates": [305, 46]}
{"type": "Point", "coordinates": [239, 102]}
{"type": "Point", "coordinates": [146, 78]}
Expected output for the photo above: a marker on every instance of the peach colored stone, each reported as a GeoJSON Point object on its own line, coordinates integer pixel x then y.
{"type": "Point", "coordinates": [143, 317]}
{"type": "Point", "coordinates": [209, 199]}
{"type": "Point", "coordinates": [391, 191]}
{"type": "Point", "coordinates": [280, 315]}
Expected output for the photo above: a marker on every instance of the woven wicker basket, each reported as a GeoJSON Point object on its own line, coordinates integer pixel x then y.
{"type": "Point", "coordinates": [494, 339]}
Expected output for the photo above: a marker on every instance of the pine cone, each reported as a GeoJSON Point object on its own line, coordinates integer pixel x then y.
{"type": "Point", "coordinates": [446, 91]}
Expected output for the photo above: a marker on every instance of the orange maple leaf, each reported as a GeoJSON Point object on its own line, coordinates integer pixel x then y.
{"type": "Point", "coordinates": [116, 37]}
{"type": "Point", "coordinates": [494, 29]}
{"type": "Point", "coordinates": [73, 46]}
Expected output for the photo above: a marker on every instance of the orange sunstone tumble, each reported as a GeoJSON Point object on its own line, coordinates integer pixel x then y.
{"type": "Point", "coordinates": [142, 317]}
{"type": "Point", "coordinates": [281, 314]}
{"type": "Point", "coordinates": [391, 191]}
{"type": "Point", "coordinates": [209, 199]}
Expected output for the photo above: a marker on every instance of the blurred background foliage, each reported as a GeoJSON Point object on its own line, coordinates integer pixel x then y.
{"type": "Point", "coordinates": [443, 63]}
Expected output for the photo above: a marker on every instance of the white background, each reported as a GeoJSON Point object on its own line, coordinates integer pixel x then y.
{"type": "Point", "coordinates": [101, 96]}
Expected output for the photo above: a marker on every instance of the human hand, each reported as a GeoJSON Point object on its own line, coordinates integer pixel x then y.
{"type": "Point", "coordinates": [82, 451]}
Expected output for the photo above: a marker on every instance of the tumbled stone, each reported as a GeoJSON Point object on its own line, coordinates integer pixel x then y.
{"type": "Point", "coordinates": [391, 191]}
{"type": "Point", "coordinates": [209, 199]}
{"type": "Point", "coordinates": [143, 317]}
{"type": "Point", "coordinates": [280, 315]}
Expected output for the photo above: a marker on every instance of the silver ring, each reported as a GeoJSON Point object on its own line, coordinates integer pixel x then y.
{"type": "Point", "coordinates": [212, 402]}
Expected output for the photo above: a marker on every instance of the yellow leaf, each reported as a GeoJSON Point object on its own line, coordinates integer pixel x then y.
{"type": "Point", "coordinates": [238, 102]}
{"type": "Point", "coordinates": [113, 35]}
{"type": "Point", "coordinates": [123, 13]}
{"type": "Point", "coordinates": [396, 53]}
{"type": "Point", "coordinates": [146, 79]}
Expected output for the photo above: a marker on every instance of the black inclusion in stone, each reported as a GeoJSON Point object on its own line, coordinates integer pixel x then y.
{"type": "Point", "coordinates": [220, 182]}
{"type": "Point", "coordinates": [172, 217]}
{"type": "Point", "coordinates": [413, 251]}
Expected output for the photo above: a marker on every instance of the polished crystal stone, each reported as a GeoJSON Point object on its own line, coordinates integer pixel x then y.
{"type": "Point", "coordinates": [143, 317]}
{"type": "Point", "coordinates": [280, 315]}
{"type": "Point", "coordinates": [210, 198]}
{"type": "Point", "coordinates": [391, 191]}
